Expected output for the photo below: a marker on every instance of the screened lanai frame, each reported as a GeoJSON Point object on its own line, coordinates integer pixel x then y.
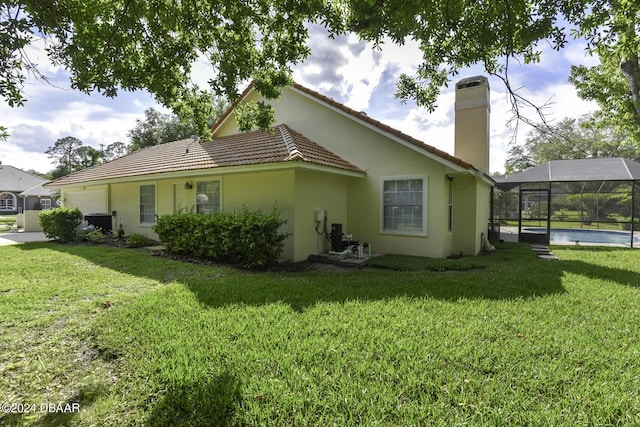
{"type": "Point", "coordinates": [586, 194]}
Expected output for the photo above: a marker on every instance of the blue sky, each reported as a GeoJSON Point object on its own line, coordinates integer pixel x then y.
{"type": "Point", "coordinates": [345, 69]}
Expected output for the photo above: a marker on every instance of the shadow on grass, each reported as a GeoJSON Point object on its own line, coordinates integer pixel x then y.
{"type": "Point", "coordinates": [211, 401]}
{"type": "Point", "coordinates": [513, 271]}
{"type": "Point", "coordinates": [598, 272]}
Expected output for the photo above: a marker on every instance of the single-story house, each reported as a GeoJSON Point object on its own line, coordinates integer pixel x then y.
{"type": "Point", "coordinates": [35, 199]}
{"type": "Point", "coordinates": [322, 164]}
{"type": "Point", "coordinates": [14, 182]}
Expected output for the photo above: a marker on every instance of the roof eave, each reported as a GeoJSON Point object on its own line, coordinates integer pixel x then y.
{"type": "Point", "coordinates": [221, 170]}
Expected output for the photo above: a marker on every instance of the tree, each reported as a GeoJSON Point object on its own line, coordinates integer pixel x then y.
{"type": "Point", "coordinates": [131, 44]}
{"type": "Point", "coordinates": [113, 151]}
{"type": "Point", "coordinates": [64, 154]}
{"type": "Point", "coordinates": [615, 83]}
{"type": "Point", "coordinates": [569, 139]}
{"type": "Point", "coordinates": [71, 155]}
{"type": "Point", "coordinates": [158, 128]}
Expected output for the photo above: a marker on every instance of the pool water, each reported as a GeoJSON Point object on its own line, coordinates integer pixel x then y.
{"type": "Point", "coordinates": [588, 236]}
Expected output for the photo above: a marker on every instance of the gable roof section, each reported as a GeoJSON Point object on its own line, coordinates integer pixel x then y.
{"type": "Point", "coordinates": [14, 179]}
{"type": "Point", "coordinates": [373, 123]}
{"type": "Point", "coordinates": [38, 191]}
{"type": "Point", "coordinates": [277, 146]}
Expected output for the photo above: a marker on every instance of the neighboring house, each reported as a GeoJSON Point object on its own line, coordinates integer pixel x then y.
{"type": "Point", "coordinates": [322, 164]}
{"type": "Point", "coordinates": [13, 182]}
{"type": "Point", "coordinates": [39, 198]}
{"type": "Point", "coordinates": [36, 199]}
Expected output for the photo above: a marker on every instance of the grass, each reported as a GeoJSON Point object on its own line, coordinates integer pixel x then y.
{"type": "Point", "coordinates": [7, 222]}
{"type": "Point", "coordinates": [504, 339]}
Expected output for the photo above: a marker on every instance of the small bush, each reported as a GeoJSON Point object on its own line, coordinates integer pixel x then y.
{"type": "Point", "coordinates": [560, 215]}
{"type": "Point", "coordinates": [137, 240]}
{"type": "Point", "coordinates": [96, 237]}
{"type": "Point", "coordinates": [60, 223]}
{"type": "Point", "coordinates": [249, 239]}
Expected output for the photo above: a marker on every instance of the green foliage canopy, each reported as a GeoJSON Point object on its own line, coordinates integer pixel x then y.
{"type": "Point", "coordinates": [112, 45]}
{"type": "Point", "coordinates": [71, 155]}
{"type": "Point", "coordinates": [566, 140]}
{"type": "Point", "coordinates": [159, 128]}
{"type": "Point", "coordinates": [613, 31]}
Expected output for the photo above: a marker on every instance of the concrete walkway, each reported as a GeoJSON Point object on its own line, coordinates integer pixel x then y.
{"type": "Point", "coordinates": [16, 237]}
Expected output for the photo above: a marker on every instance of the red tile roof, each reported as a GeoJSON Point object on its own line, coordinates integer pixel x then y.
{"type": "Point", "coordinates": [279, 145]}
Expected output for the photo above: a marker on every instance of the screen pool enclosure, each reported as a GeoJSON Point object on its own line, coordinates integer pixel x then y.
{"type": "Point", "coordinates": [571, 201]}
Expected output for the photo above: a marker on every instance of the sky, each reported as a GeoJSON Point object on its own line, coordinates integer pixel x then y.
{"type": "Point", "coordinates": [346, 69]}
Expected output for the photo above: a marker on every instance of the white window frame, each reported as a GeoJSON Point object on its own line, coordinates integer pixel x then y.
{"type": "Point", "coordinates": [425, 205]}
{"type": "Point", "coordinates": [155, 203]}
{"type": "Point", "coordinates": [15, 202]}
{"type": "Point", "coordinates": [45, 204]}
{"type": "Point", "coordinates": [219, 202]}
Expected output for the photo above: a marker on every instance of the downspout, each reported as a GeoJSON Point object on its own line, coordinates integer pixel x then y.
{"type": "Point", "coordinates": [491, 230]}
{"type": "Point", "coordinates": [633, 206]}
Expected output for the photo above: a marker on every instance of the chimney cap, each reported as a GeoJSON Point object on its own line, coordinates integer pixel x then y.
{"type": "Point", "coordinates": [472, 82]}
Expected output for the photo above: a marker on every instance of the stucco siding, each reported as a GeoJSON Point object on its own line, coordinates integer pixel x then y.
{"type": "Point", "coordinates": [125, 199]}
{"type": "Point", "coordinates": [315, 191]}
{"type": "Point", "coordinates": [381, 157]}
{"type": "Point", "coordinates": [264, 191]}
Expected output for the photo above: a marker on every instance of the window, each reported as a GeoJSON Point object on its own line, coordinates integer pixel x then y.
{"type": "Point", "coordinates": [207, 197]}
{"type": "Point", "coordinates": [450, 206]}
{"type": "Point", "coordinates": [403, 205]}
{"type": "Point", "coordinates": [148, 204]}
{"type": "Point", "coordinates": [8, 202]}
{"type": "Point", "coordinates": [45, 204]}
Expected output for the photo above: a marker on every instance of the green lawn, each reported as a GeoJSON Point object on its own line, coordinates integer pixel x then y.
{"type": "Point", "coordinates": [504, 339]}
{"type": "Point", "coordinates": [7, 223]}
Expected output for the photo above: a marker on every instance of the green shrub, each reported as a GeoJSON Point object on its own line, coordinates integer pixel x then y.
{"type": "Point", "coordinates": [248, 239]}
{"type": "Point", "coordinates": [137, 240]}
{"type": "Point", "coordinates": [60, 223]}
{"type": "Point", "coordinates": [560, 215]}
{"type": "Point", "coordinates": [96, 237]}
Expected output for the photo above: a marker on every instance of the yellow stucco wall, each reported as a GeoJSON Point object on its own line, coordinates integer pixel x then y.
{"type": "Point", "coordinates": [380, 157]}
{"type": "Point", "coordinates": [264, 191]}
{"type": "Point", "coordinates": [315, 191]}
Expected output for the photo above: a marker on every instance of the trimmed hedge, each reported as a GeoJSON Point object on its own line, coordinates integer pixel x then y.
{"type": "Point", "coordinates": [248, 239]}
{"type": "Point", "coordinates": [60, 223]}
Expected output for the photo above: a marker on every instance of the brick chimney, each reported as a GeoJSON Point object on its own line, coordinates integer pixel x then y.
{"type": "Point", "coordinates": [472, 122]}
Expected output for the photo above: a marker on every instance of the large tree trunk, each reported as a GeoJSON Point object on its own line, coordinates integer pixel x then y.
{"type": "Point", "coordinates": [631, 70]}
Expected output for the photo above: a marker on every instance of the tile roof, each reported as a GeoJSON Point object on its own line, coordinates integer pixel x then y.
{"type": "Point", "coordinates": [360, 116]}
{"type": "Point", "coordinates": [279, 145]}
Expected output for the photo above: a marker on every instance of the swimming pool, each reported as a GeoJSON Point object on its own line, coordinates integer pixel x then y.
{"type": "Point", "coordinates": [604, 237]}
